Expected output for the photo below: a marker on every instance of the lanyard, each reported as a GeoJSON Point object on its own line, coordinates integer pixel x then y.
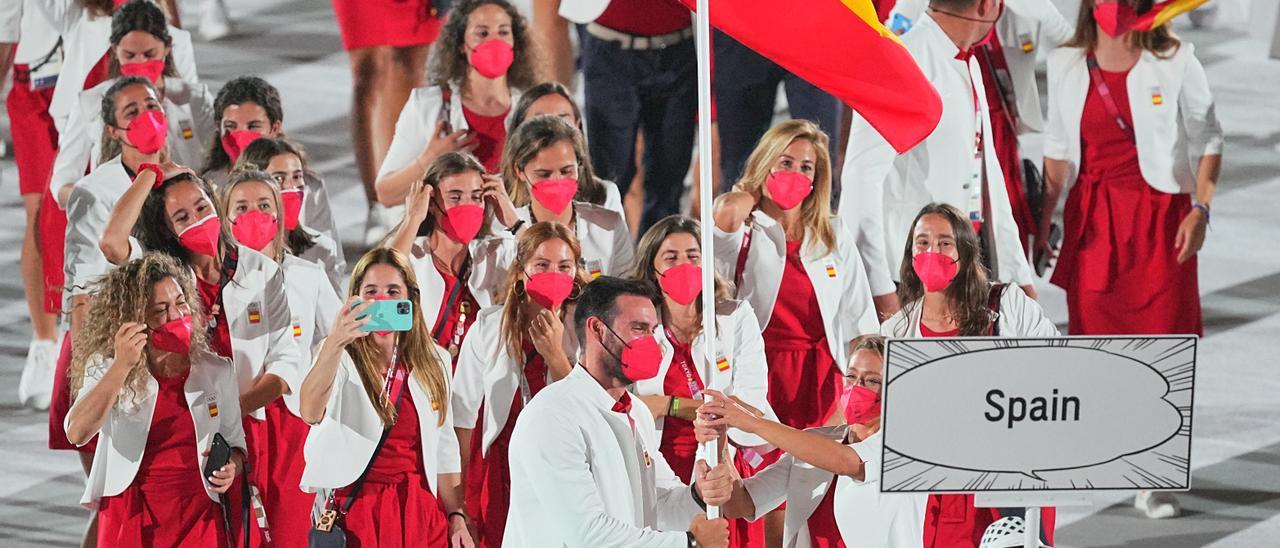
{"type": "Point", "coordinates": [998, 67]}
{"type": "Point", "coordinates": [1104, 91]}
{"type": "Point", "coordinates": [690, 376]}
{"type": "Point", "coordinates": [742, 256]}
{"type": "Point", "coordinates": [526, 392]}
{"type": "Point", "coordinates": [395, 378]}
{"type": "Point", "coordinates": [978, 178]}
{"type": "Point", "coordinates": [455, 295]}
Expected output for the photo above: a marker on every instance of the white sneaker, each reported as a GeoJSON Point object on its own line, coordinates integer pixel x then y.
{"type": "Point", "coordinates": [215, 22]}
{"type": "Point", "coordinates": [1159, 505]}
{"type": "Point", "coordinates": [380, 222]}
{"type": "Point", "coordinates": [35, 388]}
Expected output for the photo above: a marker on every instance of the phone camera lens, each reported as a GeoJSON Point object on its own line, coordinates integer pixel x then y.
{"type": "Point", "coordinates": [402, 308]}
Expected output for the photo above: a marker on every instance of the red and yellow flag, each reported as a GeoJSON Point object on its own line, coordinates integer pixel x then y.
{"type": "Point", "coordinates": [1163, 12]}
{"type": "Point", "coordinates": [841, 47]}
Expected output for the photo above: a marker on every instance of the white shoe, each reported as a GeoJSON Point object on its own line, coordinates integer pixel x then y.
{"type": "Point", "coordinates": [380, 222]}
{"type": "Point", "coordinates": [35, 388]}
{"type": "Point", "coordinates": [215, 22]}
{"type": "Point", "coordinates": [1160, 505]}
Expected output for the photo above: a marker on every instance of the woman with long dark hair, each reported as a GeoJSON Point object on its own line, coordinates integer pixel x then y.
{"type": "Point", "coordinates": [391, 385]}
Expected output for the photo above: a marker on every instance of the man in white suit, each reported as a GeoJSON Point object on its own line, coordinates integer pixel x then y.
{"type": "Point", "coordinates": [585, 465]}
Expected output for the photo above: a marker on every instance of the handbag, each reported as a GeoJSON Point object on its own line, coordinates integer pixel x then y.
{"type": "Point", "coordinates": [327, 532]}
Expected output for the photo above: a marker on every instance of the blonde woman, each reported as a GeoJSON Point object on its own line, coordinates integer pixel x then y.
{"type": "Point", "coordinates": [147, 385]}
{"type": "Point", "coordinates": [776, 230]}
{"type": "Point", "coordinates": [515, 349]}
{"type": "Point", "coordinates": [378, 406]}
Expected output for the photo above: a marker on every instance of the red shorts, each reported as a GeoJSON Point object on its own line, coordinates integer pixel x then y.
{"type": "Point", "coordinates": [35, 139]}
{"type": "Point", "coordinates": [394, 23]}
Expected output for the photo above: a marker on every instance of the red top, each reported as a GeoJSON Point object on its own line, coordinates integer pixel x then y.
{"type": "Point", "coordinates": [401, 455]}
{"type": "Point", "coordinates": [645, 17]}
{"type": "Point", "coordinates": [678, 442]}
{"type": "Point", "coordinates": [926, 332]}
{"type": "Point", "coordinates": [489, 132]}
{"type": "Point", "coordinates": [796, 316]}
{"type": "Point", "coordinates": [1106, 151]}
{"type": "Point", "coordinates": [169, 462]}
{"type": "Point", "coordinates": [210, 297]}
{"type": "Point", "coordinates": [465, 308]}
{"type": "Point", "coordinates": [823, 531]}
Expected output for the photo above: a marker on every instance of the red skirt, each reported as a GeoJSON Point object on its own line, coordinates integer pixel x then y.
{"type": "Point", "coordinates": [288, 507]}
{"type": "Point", "coordinates": [35, 139]}
{"type": "Point", "coordinates": [1118, 264]}
{"type": "Point", "coordinates": [142, 517]}
{"type": "Point", "coordinates": [61, 404]}
{"type": "Point", "coordinates": [804, 382]}
{"type": "Point", "coordinates": [394, 23]}
{"type": "Point", "coordinates": [823, 532]}
{"type": "Point", "coordinates": [257, 439]}
{"type": "Point", "coordinates": [488, 481]}
{"type": "Point", "coordinates": [394, 515]}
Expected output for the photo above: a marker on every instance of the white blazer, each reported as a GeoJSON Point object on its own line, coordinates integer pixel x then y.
{"type": "Point", "coordinates": [745, 375]}
{"type": "Point", "coordinates": [883, 192]}
{"type": "Point", "coordinates": [188, 108]}
{"type": "Point", "coordinates": [215, 408]}
{"type": "Point", "coordinates": [1020, 316]}
{"type": "Point", "coordinates": [312, 307]}
{"type": "Point", "coordinates": [22, 22]}
{"type": "Point", "coordinates": [867, 519]}
{"type": "Point", "coordinates": [484, 281]}
{"type": "Point", "coordinates": [1173, 115]}
{"type": "Point", "coordinates": [1026, 29]}
{"type": "Point", "coordinates": [256, 304]}
{"type": "Point", "coordinates": [89, 208]}
{"type": "Point", "coordinates": [341, 446]}
{"type": "Point", "coordinates": [327, 254]}
{"type": "Point", "coordinates": [838, 278]}
{"type": "Point", "coordinates": [85, 39]}
{"type": "Point", "coordinates": [418, 119]}
{"type": "Point", "coordinates": [799, 484]}
{"type": "Point", "coordinates": [583, 478]}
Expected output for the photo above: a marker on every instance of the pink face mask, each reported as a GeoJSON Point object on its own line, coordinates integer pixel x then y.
{"type": "Point", "coordinates": [935, 270]}
{"type": "Point", "coordinates": [174, 336]}
{"type": "Point", "coordinates": [492, 58]}
{"type": "Point", "coordinates": [1114, 18]}
{"type": "Point", "coordinates": [555, 194]}
{"type": "Point", "coordinates": [682, 282]}
{"type": "Point", "coordinates": [203, 236]}
{"type": "Point", "coordinates": [255, 229]}
{"type": "Point", "coordinates": [151, 70]}
{"type": "Point", "coordinates": [640, 358]}
{"type": "Point", "coordinates": [549, 289]}
{"type": "Point", "coordinates": [788, 189]}
{"type": "Point", "coordinates": [234, 142]}
{"type": "Point", "coordinates": [860, 404]}
{"type": "Point", "coordinates": [291, 203]}
{"type": "Point", "coordinates": [147, 131]}
{"type": "Point", "coordinates": [462, 222]}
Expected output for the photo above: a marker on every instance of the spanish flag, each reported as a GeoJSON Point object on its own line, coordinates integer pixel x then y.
{"type": "Point", "coordinates": [721, 363]}
{"type": "Point", "coordinates": [841, 47]}
{"type": "Point", "coordinates": [1163, 12]}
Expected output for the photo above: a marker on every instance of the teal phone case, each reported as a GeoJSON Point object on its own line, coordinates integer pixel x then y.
{"type": "Point", "coordinates": [389, 316]}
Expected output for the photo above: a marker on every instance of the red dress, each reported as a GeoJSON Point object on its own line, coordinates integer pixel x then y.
{"type": "Point", "coordinates": [395, 506]}
{"type": "Point", "coordinates": [1118, 264]}
{"type": "Point", "coordinates": [288, 506]}
{"type": "Point", "coordinates": [464, 311]}
{"type": "Point", "coordinates": [489, 476]}
{"type": "Point", "coordinates": [394, 23]}
{"type": "Point", "coordinates": [678, 443]}
{"type": "Point", "coordinates": [166, 505]}
{"type": "Point", "coordinates": [823, 532]}
{"type": "Point", "coordinates": [490, 132]}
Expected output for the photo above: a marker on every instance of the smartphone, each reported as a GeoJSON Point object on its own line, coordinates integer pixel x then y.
{"type": "Point", "coordinates": [388, 316]}
{"type": "Point", "coordinates": [1042, 259]}
{"type": "Point", "coordinates": [219, 455]}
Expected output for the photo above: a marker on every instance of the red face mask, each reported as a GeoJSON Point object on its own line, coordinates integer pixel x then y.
{"type": "Point", "coordinates": [1114, 18]}
{"type": "Point", "coordinates": [860, 404]}
{"type": "Point", "coordinates": [147, 131]}
{"type": "Point", "coordinates": [492, 58]}
{"type": "Point", "coordinates": [640, 358]}
{"type": "Point", "coordinates": [255, 229]}
{"type": "Point", "coordinates": [788, 189]}
{"type": "Point", "coordinates": [291, 203]}
{"type": "Point", "coordinates": [549, 289]}
{"type": "Point", "coordinates": [935, 270]}
{"type": "Point", "coordinates": [462, 222]}
{"type": "Point", "coordinates": [555, 194]}
{"type": "Point", "coordinates": [234, 142]}
{"type": "Point", "coordinates": [151, 70]}
{"type": "Point", "coordinates": [203, 236]}
{"type": "Point", "coordinates": [682, 282]}
{"type": "Point", "coordinates": [174, 336]}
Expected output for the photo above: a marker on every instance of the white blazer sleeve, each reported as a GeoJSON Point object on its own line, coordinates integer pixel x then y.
{"type": "Point", "coordinates": [750, 372]}
{"type": "Point", "coordinates": [448, 454]}
{"type": "Point", "coordinates": [468, 379]}
{"type": "Point", "coordinates": [768, 488]}
{"type": "Point", "coordinates": [282, 352]}
{"type": "Point", "coordinates": [95, 368]}
{"type": "Point", "coordinates": [75, 146]}
{"type": "Point", "coordinates": [1054, 29]}
{"type": "Point", "coordinates": [184, 56]}
{"type": "Point", "coordinates": [62, 14]}
{"type": "Point", "coordinates": [232, 425]}
{"type": "Point", "coordinates": [202, 111]}
{"type": "Point", "coordinates": [1020, 316]}
{"type": "Point", "coordinates": [858, 310]}
{"type": "Point", "coordinates": [676, 507]}
{"type": "Point", "coordinates": [417, 119]}
{"type": "Point", "coordinates": [1196, 105]}
{"type": "Point", "coordinates": [490, 260]}
{"type": "Point", "coordinates": [624, 251]}
{"type": "Point", "coordinates": [869, 450]}
{"type": "Point", "coordinates": [1055, 132]}
{"type": "Point", "coordinates": [580, 517]}
{"type": "Point", "coordinates": [86, 217]}
{"type": "Point", "coordinates": [867, 162]}
{"type": "Point", "coordinates": [10, 21]}
{"type": "Point", "coordinates": [725, 246]}
{"type": "Point", "coordinates": [1008, 242]}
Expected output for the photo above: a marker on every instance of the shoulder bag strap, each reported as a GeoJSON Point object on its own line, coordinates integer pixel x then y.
{"type": "Point", "coordinates": [386, 431]}
{"type": "Point", "coordinates": [993, 303]}
{"type": "Point", "coordinates": [454, 294]}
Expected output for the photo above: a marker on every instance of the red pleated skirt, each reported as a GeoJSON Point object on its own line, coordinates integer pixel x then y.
{"type": "Point", "coordinates": [288, 507]}
{"type": "Point", "coordinates": [395, 515]}
{"type": "Point", "coordinates": [395, 23]}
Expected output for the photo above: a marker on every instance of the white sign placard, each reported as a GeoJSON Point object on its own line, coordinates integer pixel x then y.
{"type": "Point", "coordinates": [972, 415]}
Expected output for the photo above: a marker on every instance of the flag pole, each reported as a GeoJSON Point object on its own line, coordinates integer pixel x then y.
{"type": "Point", "coordinates": [702, 33]}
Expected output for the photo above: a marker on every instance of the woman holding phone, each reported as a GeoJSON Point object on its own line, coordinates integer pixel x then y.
{"type": "Point", "coordinates": [378, 406]}
{"type": "Point", "coordinates": [147, 385]}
